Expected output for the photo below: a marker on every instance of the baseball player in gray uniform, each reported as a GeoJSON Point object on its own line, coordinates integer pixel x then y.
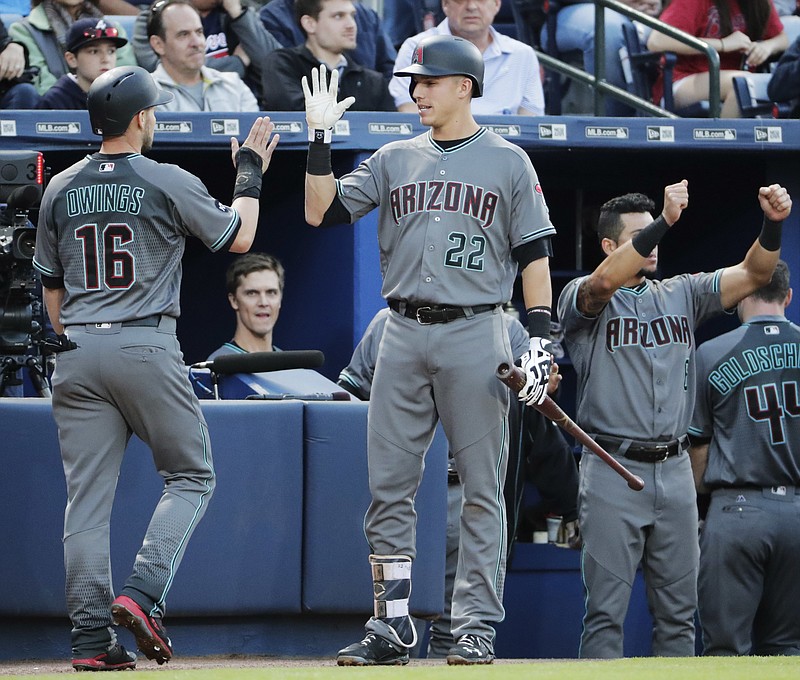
{"type": "Point", "coordinates": [632, 337]}
{"type": "Point", "coordinates": [746, 450]}
{"type": "Point", "coordinates": [554, 459]}
{"type": "Point", "coordinates": [111, 234]}
{"type": "Point", "coordinates": [460, 211]}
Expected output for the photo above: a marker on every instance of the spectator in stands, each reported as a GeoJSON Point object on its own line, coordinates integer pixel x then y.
{"type": "Point", "coordinates": [109, 7]}
{"type": "Point", "coordinates": [91, 50]}
{"type": "Point", "coordinates": [512, 81]}
{"type": "Point", "coordinates": [44, 34]}
{"type": "Point", "coordinates": [15, 93]}
{"type": "Point", "coordinates": [373, 48]}
{"type": "Point", "coordinates": [235, 40]}
{"type": "Point", "coordinates": [176, 36]}
{"type": "Point", "coordinates": [745, 37]}
{"type": "Point", "coordinates": [575, 32]}
{"type": "Point", "coordinates": [784, 84]}
{"type": "Point", "coordinates": [330, 30]}
{"type": "Point", "coordinates": [404, 18]}
{"type": "Point", "coordinates": [786, 10]}
{"type": "Point", "coordinates": [254, 282]}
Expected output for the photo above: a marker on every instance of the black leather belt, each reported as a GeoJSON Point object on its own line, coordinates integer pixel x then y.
{"type": "Point", "coordinates": [644, 452]}
{"type": "Point", "coordinates": [152, 321]}
{"type": "Point", "coordinates": [452, 477]}
{"type": "Point", "coordinates": [428, 314]}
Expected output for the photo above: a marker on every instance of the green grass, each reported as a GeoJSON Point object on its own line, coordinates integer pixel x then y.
{"type": "Point", "coordinates": [745, 668]}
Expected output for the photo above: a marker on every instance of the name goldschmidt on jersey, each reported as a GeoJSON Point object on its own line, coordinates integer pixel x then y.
{"type": "Point", "coordinates": [751, 362]}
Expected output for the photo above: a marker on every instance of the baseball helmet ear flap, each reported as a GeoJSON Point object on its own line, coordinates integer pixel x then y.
{"type": "Point", "coordinates": [118, 95]}
{"type": "Point", "coordinates": [446, 55]}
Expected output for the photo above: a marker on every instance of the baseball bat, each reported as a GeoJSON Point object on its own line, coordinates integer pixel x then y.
{"type": "Point", "coordinates": [514, 377]}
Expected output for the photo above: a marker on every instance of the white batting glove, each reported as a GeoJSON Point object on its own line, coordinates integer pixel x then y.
{"type": "Point", "coordinates": [536, 364]}
{"type": "Point", "coordinates": [322, 109]}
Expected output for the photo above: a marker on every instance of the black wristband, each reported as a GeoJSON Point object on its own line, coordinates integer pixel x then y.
{"type": "Point", "coordinates": [649, 237]}
{"type": "Point", "coordinates": [319, 159]}
{"type": "Point", "coordinates": [770, 236]}
{"type": "Point", "coordinates": [248, 174]}
{"type": "Point", "coordinates": [539, 322]}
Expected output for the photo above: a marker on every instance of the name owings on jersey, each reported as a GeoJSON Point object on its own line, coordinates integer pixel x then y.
{"type": "Point", "coordinates": [627, 331]}
{"type": "Point", "coordinates": [751, 362]}
{"type": "Point", "coordinates": [96, 198]}
{"type": "Point", "coordinates": [437, 195]}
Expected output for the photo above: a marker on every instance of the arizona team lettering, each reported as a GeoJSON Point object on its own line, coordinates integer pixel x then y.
{"type": "Point", "coordinates": [440, 196]}
{"type": "Point", "coordinates": [96, 198]}
{"type": "Point", "coordinates": [628, 331]}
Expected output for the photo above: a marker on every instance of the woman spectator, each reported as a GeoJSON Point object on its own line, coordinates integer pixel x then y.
{"type": "Point", "coordinates": [745, 35]}
{"type": "Point", "coordinates": [44, 34]}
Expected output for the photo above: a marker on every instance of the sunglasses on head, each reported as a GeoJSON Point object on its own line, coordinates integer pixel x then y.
{"type": "Point", "coordinates": [94, 33]}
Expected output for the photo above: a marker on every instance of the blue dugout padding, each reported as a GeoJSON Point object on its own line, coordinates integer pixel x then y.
{"type": "Point", "coordinates": [244, 557]}
{"type": "Point", "coordinates": [336, 573]}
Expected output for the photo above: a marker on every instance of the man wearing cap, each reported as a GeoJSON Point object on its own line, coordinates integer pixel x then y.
{"type": "Point", "coordinates": [111, 236]}
{"type": "Point", "coordinates": [91, 51]}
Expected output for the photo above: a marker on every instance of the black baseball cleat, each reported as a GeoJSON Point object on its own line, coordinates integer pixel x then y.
{"type": "Point", "coordinates": [373, 650]}
{"type": "Point", "coordinates": [116, 658]}
{"type": "Point", "coordinates": [469, 650]}
{"type": "Point", "coordinates": [151, 636]}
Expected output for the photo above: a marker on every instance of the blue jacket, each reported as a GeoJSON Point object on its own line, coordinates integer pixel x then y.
{"type": "Point", "coordinates": [373, 50]}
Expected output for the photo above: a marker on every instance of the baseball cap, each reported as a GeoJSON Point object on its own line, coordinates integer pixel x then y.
{"type": "Point", "coordinates": [85, 31]}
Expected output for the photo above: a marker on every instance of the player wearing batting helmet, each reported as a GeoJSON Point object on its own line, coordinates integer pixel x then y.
{"type": "Point", "coordinates": [112, 231]}
{"type": "Point", "coordinates": [459, 214]}
{"type": "Point", "coordinates": [632, 336]}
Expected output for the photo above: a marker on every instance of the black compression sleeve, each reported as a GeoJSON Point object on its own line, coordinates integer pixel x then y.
{"type": "Point", "coordinates": [52, 281]}
{"type": "Point", "coordinates": [319, 159]}
{"type": "Point", "coordinates": [531, 251]}
{"type": "Point", "coordinates": [248, 174]}
{"type": "Point", "coordinates": [770, 236]}
{"type": "Point", "coordinates": [335, 214]}
{"type": "Point", "coordinates": [649, 237]}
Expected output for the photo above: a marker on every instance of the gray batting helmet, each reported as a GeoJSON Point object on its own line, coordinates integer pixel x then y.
{"type": "Point", "coordinates": [446, 55]}
{"type": "Point", "coordinates": [118, 95]}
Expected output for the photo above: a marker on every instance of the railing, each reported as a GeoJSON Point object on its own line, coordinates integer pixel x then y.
{"type": "Point", "coordinates": [601, 87]}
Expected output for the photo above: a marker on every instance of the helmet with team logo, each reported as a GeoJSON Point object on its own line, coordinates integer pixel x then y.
{"type": "Point", "coordinates": [446, 55]}
{"type": "Point", "coordinates": [118, 95]}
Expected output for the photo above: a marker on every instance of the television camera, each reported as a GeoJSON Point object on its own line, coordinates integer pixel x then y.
{"type": "Point", "coordinates": [22, 179]}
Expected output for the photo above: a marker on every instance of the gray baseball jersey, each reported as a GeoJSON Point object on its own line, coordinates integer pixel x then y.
{"type": "Point", "coordinates": [127, 264]}
{"type": "Point", "coordinates": [635, 369]}
{"type": "Point", "coordinates": [449, 218]}
{"type": "Point", "coordinates": [112, 228]}
{"type": "Point", "coordinates": [639, 349]}
{"type": "Point", "coordinates": [748, 403]}
{"type": "Point", "coordinates": [448, 221]}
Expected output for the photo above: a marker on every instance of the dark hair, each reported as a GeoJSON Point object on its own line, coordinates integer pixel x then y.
{"type": "Point", "coordinates": [756, 16]}
{"type": "Point", "coordinates": [778, 287]}
{"type": "Point", "coordinates": [609, 225]}
{"type": "Point", "coordinates": [310, 8]}
{"type": "Point", "coordinates": [155, 20]}
{"type": "Point", "coordinates": [249, 263]}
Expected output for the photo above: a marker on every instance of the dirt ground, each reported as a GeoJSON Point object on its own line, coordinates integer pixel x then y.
{"type": "Point", "coordinates": [204, 662]}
